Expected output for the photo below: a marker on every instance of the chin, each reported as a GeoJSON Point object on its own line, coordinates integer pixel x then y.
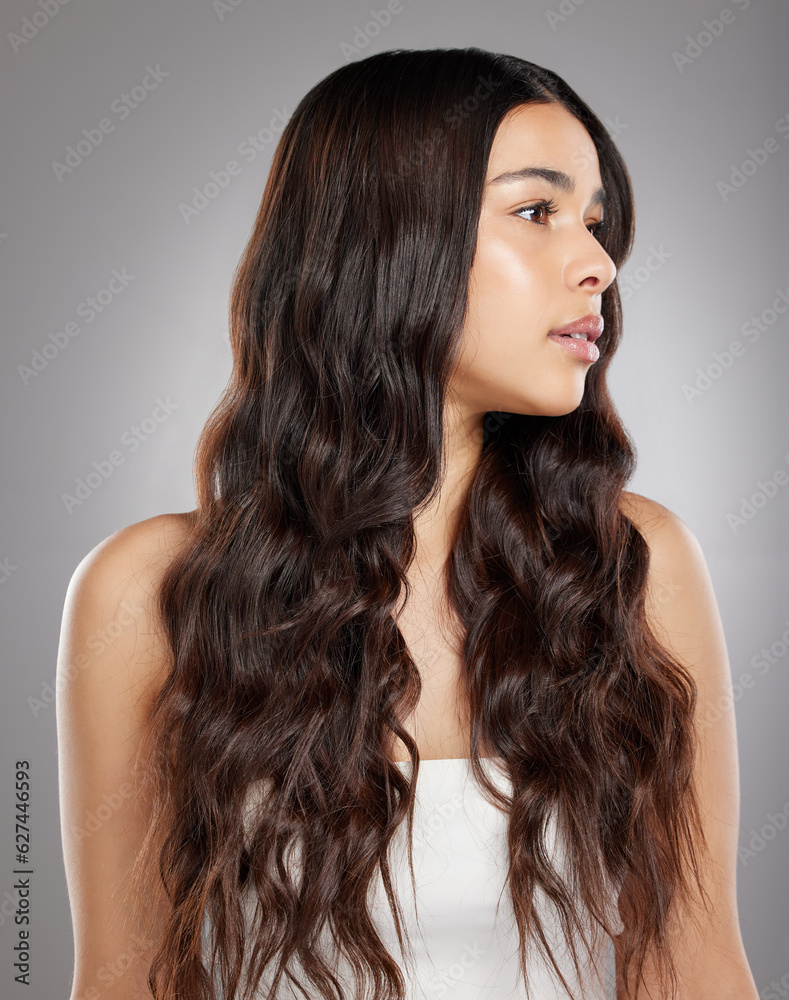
{"type": "Point", "coordinates": [557, 406]}
{"type": "Point", "coordinates": [565, 408]}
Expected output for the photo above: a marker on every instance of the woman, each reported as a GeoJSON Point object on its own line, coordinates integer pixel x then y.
{"type": "Point", "coordinates": [412, 543]}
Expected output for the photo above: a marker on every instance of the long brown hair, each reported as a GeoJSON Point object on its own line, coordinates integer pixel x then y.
{"type": "Point", "coordinates": [287, 663]}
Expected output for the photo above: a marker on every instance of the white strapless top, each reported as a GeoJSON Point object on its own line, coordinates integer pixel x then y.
{"type": "Point", "coordinates": [461, 927]}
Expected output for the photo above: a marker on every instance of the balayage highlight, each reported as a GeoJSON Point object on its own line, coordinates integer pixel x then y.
{"type": "Point", "coordinates": [288, 667]}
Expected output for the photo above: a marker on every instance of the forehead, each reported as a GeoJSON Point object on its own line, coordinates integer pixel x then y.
{"type": "Point", "coordinates": [544, 135]}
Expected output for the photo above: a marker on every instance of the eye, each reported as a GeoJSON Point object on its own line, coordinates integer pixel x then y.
{"type": "Point", "coordinates": [597, 229]}
{"type": "Point", "coordinates": [549, 208]}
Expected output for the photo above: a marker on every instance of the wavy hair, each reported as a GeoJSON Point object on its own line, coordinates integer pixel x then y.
{"type": "Point", "coordinates": [288, 666]}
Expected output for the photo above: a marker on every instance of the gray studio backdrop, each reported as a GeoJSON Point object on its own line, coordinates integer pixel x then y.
{"type": "Point", "coordinates": [120, 226]}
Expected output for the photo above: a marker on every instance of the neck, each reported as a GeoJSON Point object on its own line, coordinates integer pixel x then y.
{"type": "Point", "coordinates": [435, 524]}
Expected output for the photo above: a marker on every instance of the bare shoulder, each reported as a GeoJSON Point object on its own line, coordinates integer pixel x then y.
{"type": "Point", "coordinates": [681, 603]}
{"type": "Point", "coordinates": [682, 612]}
{"type": "Point", "coordinates": [112, 658]}
{"type": "Point", "coordinates": [671, 542]}
{"type": "Point", "coordinates": [653, 519]}
{"type": "Point", "coordinates": [143, 549]}
{"type": "Point", "coordinates": [112, 596]}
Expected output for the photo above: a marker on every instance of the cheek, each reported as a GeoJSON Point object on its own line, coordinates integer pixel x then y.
{"type": "Point", "coordinates": [509, 293]}
{"type": "Point", "coordinates": [503, 263]}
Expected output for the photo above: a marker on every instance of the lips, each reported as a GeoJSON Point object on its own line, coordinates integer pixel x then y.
{"type": "Point", "coordinates": [591, 325]}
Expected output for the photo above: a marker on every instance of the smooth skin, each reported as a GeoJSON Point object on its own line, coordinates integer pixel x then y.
{"type": "Point", "coordinates": [532, 272]}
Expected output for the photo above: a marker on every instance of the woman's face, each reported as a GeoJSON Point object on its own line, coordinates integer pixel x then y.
{"type": "Point", "coordinates": [534, 269]}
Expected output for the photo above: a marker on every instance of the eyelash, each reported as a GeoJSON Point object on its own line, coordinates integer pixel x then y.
{"type": "Point", "coordinates": [596, 228]}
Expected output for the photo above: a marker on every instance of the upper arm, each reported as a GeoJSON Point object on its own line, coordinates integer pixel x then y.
{"type": "Point", "coordinates": [683, 613]}
{"type": "Point", "coordinates": [112, 658]}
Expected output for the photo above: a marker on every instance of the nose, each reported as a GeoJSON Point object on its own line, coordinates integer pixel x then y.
{"type": "Point", "coordinates": [588, 265]}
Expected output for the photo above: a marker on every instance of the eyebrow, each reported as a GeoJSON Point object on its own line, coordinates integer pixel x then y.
{"type": "Point", "coordinates": [558, 178]}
